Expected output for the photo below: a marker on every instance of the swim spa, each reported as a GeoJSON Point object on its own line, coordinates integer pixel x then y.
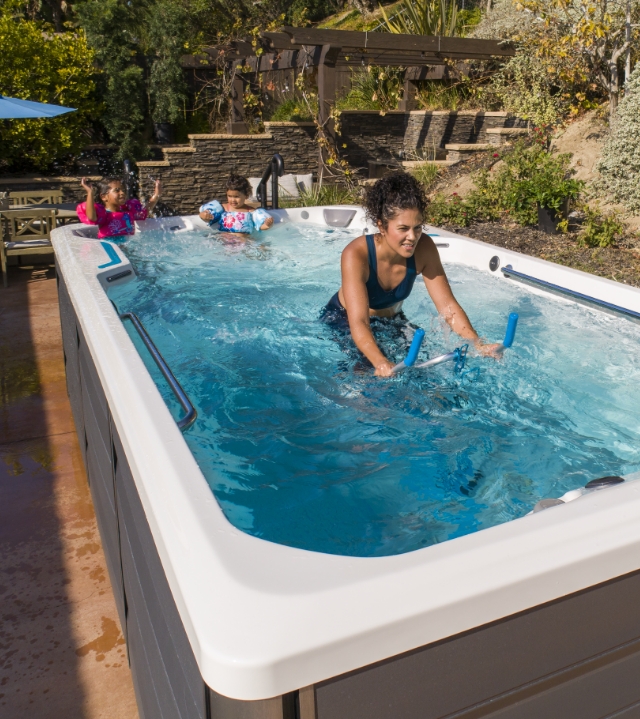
{"type": "Point", "coordinates": [244, 585]}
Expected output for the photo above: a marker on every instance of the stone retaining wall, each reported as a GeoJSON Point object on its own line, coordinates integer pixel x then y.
{"type": "Point", "coordinates": [192, 174]}
{"type": "Point", "coordinates": [396, 135]}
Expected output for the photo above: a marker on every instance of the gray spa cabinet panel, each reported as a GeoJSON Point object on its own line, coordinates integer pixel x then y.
{"type": "Point", "coordinates": [575, 658]}
{"type": "Point", "coordinates": [99, 464]}
{"type": "Point", "coordinates": [166, 677]}
{"type": "Point", "coordinates": [282, 707]}
{"type": "Point", "coordinates": [70, 342]}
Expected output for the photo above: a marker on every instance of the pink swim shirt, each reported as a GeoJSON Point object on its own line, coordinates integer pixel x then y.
{"type": "Point", "coordinates": [114, 224]}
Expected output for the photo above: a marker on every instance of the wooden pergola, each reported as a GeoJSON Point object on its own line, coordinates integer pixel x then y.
{"type": "Point", "coordinates": [425, 57]}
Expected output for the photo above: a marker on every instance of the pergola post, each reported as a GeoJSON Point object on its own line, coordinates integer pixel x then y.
{"type": "Point", "coordinates": [237, 124]}
{"type": "Point", "coordinates": [327, 99]}
{"type": "Point", "coordinates": [409, 90]}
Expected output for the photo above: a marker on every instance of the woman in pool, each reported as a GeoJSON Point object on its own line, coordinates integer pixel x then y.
{"type": "Point", "coordinates": [393, 259]}
{"type": "Point", "coordinates": [108, 207]}
{"type": "Point", "coordinates": [236, 215]}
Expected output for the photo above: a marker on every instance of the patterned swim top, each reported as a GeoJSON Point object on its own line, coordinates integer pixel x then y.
{"type": "Point", "coordinates": [235, 221]}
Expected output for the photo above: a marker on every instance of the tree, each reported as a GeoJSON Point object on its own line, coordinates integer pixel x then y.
{"type": "Point", "coordinates": [40, 65]}
{"type": "Point", "coordinates": [581, 42]}
{"type": "Point", "coordinates": [113, 29]}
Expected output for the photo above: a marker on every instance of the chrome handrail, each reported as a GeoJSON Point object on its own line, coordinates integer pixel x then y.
{"type": "Point", "coordinates": [177, 390]}
{"type": "Point", "coordinates": [508, 271]}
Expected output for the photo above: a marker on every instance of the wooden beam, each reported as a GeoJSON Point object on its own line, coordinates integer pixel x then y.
{"type": "Point", "coordinates": [442, 46]}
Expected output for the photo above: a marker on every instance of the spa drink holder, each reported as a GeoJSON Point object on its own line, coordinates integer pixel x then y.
{"type": "Point", "coordinates": [458, 356]}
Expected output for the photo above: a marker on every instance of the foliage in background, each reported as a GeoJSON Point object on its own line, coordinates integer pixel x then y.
{"type": "Point", "coordinates": [112, 28]}
{"type": "Point", "coordinates": [444, 95]}
{"type": "Point", "coordinates": [581, 43]}
{"type": "Point", "coordinates": [569, 51]}
{"type": "Point", "coordinates": [426, 173]}
{"type": "Point", "coordinates": [619, 166]}
{"type": "Point", "coordinates": [375, 88]}
{"type": "Point", "coordinates": [528, 176]}
{"type": "Point", "coordinates": [167, 87]}
{"type": "Point", "coordinates": [423, 17]}
{"type": "Point", "coordinates": [327, 194]}
{"type": "Point", "coordinates": [36, 64]}
{"type": "Point", "coordinates": [600, 230]}
{"type": "Point", "coordinates": [524, 87]}
{"type": "Point", "coordinates": [294, 109]}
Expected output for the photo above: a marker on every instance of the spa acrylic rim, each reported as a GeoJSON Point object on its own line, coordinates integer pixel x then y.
{"type": "Point", "coordinates": [264, 619]}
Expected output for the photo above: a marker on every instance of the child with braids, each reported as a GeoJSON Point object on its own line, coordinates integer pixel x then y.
{"type": "Point", "coordinates": [379, 270]}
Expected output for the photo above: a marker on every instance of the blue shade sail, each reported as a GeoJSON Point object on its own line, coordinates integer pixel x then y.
{"type": "Point", "coordinates": [13, 109]}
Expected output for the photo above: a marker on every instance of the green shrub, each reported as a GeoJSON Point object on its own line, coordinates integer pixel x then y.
{"type": "Point", "coordinates": [600, 230]}
{"type": "Point", "coordinates": [619, 166]}
{"type": "Point", "coordinates": [529, 176]}
{"type": "Point", "coordinates": [439, 95]}
{"type": "Point", "coordinates": [376, 88]}
{"type": "Point", "coordinates": [39, 65]}
{"type": "Point", "coordinates": [426, 174]}
{"type": "Point", "coordinates": [292, 110]}
{"type": "Point", "coordinates": [325, 195]}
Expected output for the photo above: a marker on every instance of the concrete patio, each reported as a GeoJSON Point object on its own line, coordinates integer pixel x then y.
{"type": "Point", "coordinates": [62, 652]}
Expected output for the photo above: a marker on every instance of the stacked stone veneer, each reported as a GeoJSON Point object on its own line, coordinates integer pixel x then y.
{"type": "Point", "coordinates": [396, 135]}
{"type": "Point", "coordinates": [196, 173]}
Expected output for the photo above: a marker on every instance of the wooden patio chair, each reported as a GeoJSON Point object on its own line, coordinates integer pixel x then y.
{"type": "Point", "coordinates": [36, 197]}
{"type": "Point", "coordinates": [28, 232]}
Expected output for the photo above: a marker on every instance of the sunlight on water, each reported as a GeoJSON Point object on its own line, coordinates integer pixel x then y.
{"type": "Point", "coordinates": [303, 446]}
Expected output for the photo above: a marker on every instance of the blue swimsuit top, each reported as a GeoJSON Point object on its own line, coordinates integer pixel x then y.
{"type": "Point", "coordinates": [380, 299]}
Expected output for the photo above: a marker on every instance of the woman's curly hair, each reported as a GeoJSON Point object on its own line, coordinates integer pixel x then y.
{"type": "Point", "coordinates": [392, 193]}
{"type": "Point", "coordinates": [237, 183]}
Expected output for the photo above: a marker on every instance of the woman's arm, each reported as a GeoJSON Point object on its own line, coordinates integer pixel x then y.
{"type": "Point", "coordinates": [355, 268]}
{"type": "Point", "coordinates": [153, 200]}
{"type": "Point", "coordinates": [90, 207]}
{"type": "Point", "coordinates": [440, 292]}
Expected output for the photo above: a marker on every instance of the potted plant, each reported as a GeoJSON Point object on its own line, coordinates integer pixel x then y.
{"type": "Point", "coordinates": [553, 190]}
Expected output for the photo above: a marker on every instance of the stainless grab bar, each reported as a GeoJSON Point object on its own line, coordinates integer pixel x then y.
{"type": "Point", "coordinates": [508, 271]}
{"type": "Point", "coordinates": [177, 390]}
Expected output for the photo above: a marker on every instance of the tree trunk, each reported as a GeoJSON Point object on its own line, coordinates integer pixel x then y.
{"type": "Point", "coordinates": [614, 89]}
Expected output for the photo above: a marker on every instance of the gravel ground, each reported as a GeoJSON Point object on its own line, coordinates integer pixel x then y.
{"type": "Point", "coordinates": [620, 263]}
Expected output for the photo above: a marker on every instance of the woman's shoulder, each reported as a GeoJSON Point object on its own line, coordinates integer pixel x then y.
{"type": "Point", "coordinates": [426, 251]}
{"type": "Point", "coordinates": [356, 247]}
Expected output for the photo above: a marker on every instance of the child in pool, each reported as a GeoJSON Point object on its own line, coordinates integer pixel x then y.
{"type": "Point", "coordinates": [107, 206]}
{"type": "Point", "coordinates": [236, 215]}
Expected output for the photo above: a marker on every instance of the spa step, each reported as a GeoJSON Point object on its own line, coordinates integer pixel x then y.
{"type": "Point", "coordinates": [458, 151]}
{"type": "Point", "coordinates": [505, 135]}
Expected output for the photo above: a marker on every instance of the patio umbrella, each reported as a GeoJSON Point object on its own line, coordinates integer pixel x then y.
{"type": "Point", "coordinates": [14, 109]}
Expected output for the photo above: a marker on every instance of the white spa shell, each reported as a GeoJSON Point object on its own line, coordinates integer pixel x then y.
{"type": "Point", "coordinates": [264, 619]}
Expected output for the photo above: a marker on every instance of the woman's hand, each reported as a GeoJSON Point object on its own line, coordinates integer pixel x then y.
{"type": "Point", "coordinates": [267, 223]}
{"type": "Point", "coordinates": [489, 350]}
{"type": "Point", "coordinates": [384, 369]}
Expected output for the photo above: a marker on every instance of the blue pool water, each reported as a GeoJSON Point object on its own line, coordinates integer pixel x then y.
{"type": "Point", "coordinates": [301, 445]}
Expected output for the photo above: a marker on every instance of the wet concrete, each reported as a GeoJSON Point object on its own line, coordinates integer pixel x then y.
{"type": "Point", "coordinates": [62, 652]}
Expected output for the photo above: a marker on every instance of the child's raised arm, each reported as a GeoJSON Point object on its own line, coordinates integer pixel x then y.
{"type": "Point", "coordinates": [153, 200]}
{"type": "Point", "coordinates": [90, 204]}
